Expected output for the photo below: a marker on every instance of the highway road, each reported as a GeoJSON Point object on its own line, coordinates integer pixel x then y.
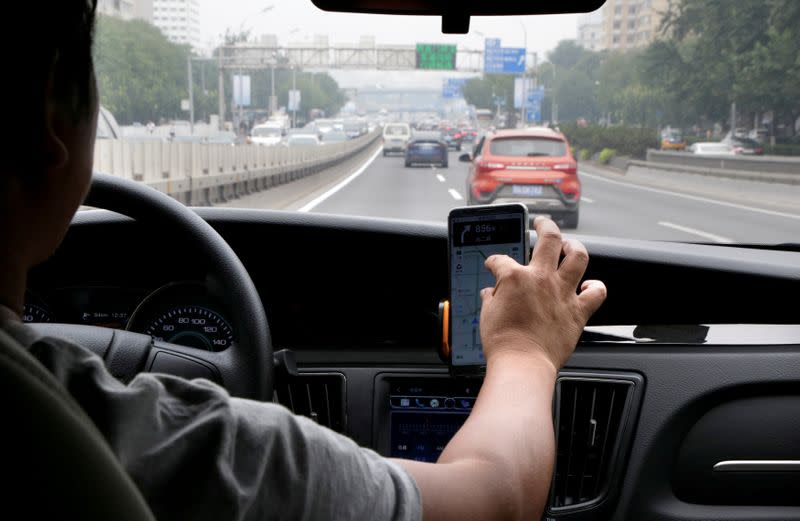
{"type": "Point", "coordinates": [383, 187]}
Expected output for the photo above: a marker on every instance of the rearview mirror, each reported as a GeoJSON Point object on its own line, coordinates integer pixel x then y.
{"type": "Point", "coordinates": [464, 158]}
{"type": "Point", "coordinates": [455, 17]}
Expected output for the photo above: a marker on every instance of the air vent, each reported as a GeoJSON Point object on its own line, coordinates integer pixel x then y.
{"type": "Point", "coordinates": [319, 396]}
{"type": "Point", "coordinates": [591, 414]}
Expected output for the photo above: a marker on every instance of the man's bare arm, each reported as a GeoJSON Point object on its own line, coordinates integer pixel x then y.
{"type": "Point", "coordinates": [499, 464]}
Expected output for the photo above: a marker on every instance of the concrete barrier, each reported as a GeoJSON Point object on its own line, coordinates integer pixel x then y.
{"type": "Point", "coordinates": [742, 175]}
{"type": "Point", "coordinates": [749, 164]}
{"type": "Point", "coordinates": [203, 174]}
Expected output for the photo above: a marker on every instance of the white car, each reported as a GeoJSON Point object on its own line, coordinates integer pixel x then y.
{"type": "Point", "coordinates": [267, 134]}
{"type": "Point", "coordinates": [302, 139]}
{"type": "Point", "coordinates": [107, 126]}
{"type": "Point", "coordinates": [323, 126]}
{"type": "Point", "coordinates": [396, 137]}
{"type": "Point", "coordinates": [712, 149]}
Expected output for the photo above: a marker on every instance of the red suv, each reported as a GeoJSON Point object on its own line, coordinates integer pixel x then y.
{"type": "Point", "coordinates": [532, 166]}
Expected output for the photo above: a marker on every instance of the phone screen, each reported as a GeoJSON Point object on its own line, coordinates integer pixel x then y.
{"type": "Point", "coordinates": [474, 237]}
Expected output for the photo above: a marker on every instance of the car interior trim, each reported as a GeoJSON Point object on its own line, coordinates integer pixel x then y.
{"type": "Point", "coordinates": [763, 465]}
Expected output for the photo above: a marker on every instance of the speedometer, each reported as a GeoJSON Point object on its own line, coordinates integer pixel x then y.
{"type": "Point", "coordinates": [36, 313]}
{"type": "Point", "coordinates": [192, 326]}
{"type": "Point", "coordinates": [185, 313]}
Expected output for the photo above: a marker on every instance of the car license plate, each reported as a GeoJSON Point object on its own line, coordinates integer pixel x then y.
{"type": "Point", "coordinates": [527, 190]}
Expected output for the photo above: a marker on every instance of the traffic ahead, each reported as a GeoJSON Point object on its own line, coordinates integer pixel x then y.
{"type": "Point", "coordinates": [379, 186]}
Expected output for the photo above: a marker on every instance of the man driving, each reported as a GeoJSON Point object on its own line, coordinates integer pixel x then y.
{"type": "Point", "coordinates": [193, 451]}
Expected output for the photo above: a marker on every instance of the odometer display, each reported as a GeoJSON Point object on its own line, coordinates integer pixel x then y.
{"type": "Point", "coordinates": [33, 313]}
{"type": "Point", "coordinates": [192, 326]}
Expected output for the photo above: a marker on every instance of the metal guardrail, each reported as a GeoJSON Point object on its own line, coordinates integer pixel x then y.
{"type": "Point", "coordinates": [750, 164]}
{"type": "Point", "coordinates": [204, 174]}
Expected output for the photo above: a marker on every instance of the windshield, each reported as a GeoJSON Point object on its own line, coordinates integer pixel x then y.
{"type": "Point", "coordinates": [528, 147]}
{"type": "Point", "coordinates": [644, 94]}
{"type": "Point", "coordinates": [396, 130]}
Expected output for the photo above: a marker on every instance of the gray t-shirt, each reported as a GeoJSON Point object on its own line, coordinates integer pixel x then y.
{"type": "Point", "coordinates": [197, 453]}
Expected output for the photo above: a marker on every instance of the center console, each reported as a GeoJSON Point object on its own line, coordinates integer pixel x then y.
{"type": "Point", "coordinates": [417, 415]}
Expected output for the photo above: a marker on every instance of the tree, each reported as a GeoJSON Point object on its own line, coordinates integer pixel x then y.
{"type": "Point", "coordinates": [483, 92]}
{"type": "Point", "coordinates": [567, 54]}
{"type": "Point", "coordinates": [724, 52]}
{"type": "Point", "coordinates": [140, 74]}
{"type": "Point", "coordinates": [709, 54]}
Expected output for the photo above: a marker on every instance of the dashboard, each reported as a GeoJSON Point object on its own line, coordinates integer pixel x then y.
{"type": "Point", "coordinates": [187, 313]}
{"type": "Point", "coordinates": [356, 302]}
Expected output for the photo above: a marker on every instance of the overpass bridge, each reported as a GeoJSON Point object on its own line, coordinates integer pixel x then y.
{"type": "Point", "coordinates": [246, 56]}
{"type": "Point", "coordinates": [243, 57]}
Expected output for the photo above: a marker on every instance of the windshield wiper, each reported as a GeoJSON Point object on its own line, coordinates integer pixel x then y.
{"type": "Point", "coordinates": [536, 154]}
{"type": "Point", "coordinates": [785, 246]}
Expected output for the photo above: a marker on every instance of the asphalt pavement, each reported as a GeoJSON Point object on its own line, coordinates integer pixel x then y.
{"type": "Point", "coordinates": [383, 187]}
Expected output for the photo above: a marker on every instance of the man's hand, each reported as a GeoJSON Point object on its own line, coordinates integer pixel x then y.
{"type": "Point", "coordinates": [534, 316]}
{"type": "Point", "coordinates": [536, 308]}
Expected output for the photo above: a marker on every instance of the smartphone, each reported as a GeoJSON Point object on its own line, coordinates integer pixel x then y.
{"type": "Point", "coordinates": [476, 233]}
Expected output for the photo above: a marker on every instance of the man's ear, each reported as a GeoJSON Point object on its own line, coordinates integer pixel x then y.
{"type": "Point", "coordinates": [54, 149]}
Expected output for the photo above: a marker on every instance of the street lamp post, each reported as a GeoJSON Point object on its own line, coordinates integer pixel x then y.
{"type": "Point", "coordinates": [241, 98]}
{"type": "Point", "coordinates": [554, 109]}
{"type": "Point", "coordinates": [191, 93]}
{"type": "Point", "coordinates": [294, 96]}
{"type": "Point", "coordinates": [222, 72]}
{"type": "Point", "coordinates": [524, 102]}
{"type": "Point", "coordinates": [221, 93]}
{"type": "Point", "coordinates": [272, 84]}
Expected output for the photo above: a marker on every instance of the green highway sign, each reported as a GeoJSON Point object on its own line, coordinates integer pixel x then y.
{"type": "Point", "coordinates": [436, 56]}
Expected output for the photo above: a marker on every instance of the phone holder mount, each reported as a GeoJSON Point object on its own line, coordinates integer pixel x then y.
{"type": "Point", "coordinates": [444, 326]}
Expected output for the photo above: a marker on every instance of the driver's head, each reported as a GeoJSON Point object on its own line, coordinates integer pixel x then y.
{"type": "Point", "coordinates": [50, 116]}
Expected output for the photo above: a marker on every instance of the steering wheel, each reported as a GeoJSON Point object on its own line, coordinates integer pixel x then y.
{"type": "Point", "coordinates": [245, 368]}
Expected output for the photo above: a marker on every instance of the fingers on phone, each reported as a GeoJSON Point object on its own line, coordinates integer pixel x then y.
{"type": "Point", "coordinates": [547, 250]}
{"type": "Point", "coordinates": [592, 295]}
{"type": "Point", "coordinates": [576, 259]}
{"type": "Point", "coordinates": [500, 265]}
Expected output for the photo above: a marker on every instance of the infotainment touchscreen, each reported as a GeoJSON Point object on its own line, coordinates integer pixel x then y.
{"type": "Point", "coordinates": [425, 414]}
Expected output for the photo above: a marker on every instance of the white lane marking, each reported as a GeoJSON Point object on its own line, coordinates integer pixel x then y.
{"type": "Point", "coordinates": [586, 200]}
{"type": "Point", "coordinates": [440, 177]}
{"type": "Point", "coordinates": [695, 198]}
{"type": "Point", "coordinates": [455, 194]}
{"type": "Point", "coordinates": [695, 231]}
{"type": "Point", "coordinates": [310, 206]}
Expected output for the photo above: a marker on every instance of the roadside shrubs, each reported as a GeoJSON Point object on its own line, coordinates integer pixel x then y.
{"type": "Point", "coordinates": [606, 155]}
{"type": "Point", "coordinates": [626, 141]}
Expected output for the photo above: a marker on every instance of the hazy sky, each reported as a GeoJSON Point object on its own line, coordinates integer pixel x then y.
{"type": "Point", "coordinates": [300, 20]}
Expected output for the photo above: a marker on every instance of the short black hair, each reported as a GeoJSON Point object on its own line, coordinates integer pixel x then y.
{"type": "Point", "coordinates": [71, 49]}
{"type": "Point", "coordinates": [56, 46]}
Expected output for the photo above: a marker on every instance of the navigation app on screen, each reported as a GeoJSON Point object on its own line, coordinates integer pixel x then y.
{"type": "Point", "coordinates": [474, 240]}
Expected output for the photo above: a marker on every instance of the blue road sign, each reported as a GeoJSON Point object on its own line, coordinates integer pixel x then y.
{"type": "Point", "coordinates": [534, 114]}
{"type": "Point", "coordinates": [451, 87]}
{"type": "Point", "coordinates": [536, 96]}
{"type": "Point", "coordinates": [504, 60]}
{"type": "Point", "coordinates": [448, 91]}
